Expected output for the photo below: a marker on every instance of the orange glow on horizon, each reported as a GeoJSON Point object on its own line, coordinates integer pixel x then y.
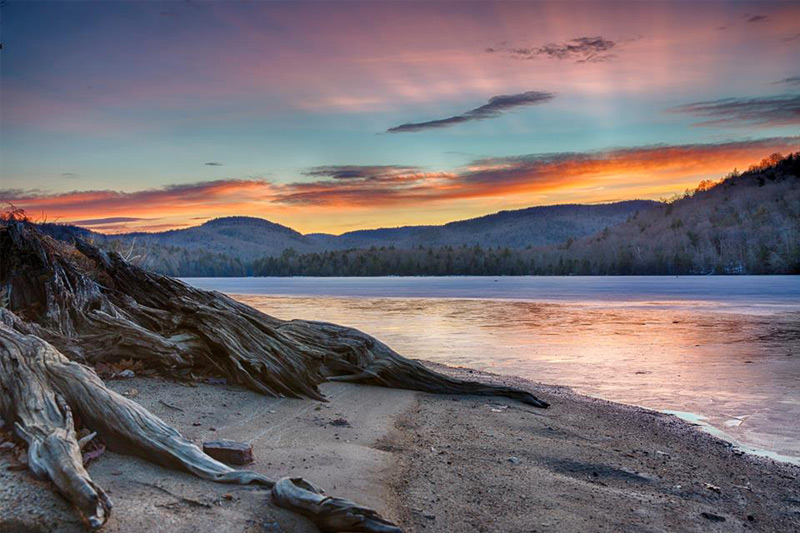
{"type": "Point", "coordinates": [408, 197]}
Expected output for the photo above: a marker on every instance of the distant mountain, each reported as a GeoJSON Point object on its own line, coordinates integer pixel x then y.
{"type": "Point", "coordinates": [534, 226]}
{"type": "Point", "coordinates": [231, 243]}
{"type": "Point", "coordinates": [244, 238]}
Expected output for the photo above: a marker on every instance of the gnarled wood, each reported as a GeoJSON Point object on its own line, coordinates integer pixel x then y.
{"type": "Point", "coordinates": [94, 306]}
{"type": "Point", "coordinates": [365, 359]}
{"type": "Point", "coordinates": [40, 387]}
{"type": "Point", "coordinates": [68, 306]}
{"type": "Point", "coordinates": [330, 514]}
{"type": "Point", "coordinates": [43, 419]}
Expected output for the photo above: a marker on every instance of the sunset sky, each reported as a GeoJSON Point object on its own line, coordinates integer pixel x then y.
{"type": "Point", "coordinates": [339, 116]}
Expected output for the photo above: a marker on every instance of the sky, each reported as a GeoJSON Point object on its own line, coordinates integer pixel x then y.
{"type": "Point", "coordinates": [336, 116]}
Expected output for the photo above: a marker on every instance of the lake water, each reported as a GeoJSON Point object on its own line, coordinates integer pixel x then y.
{"type": "Point", "coordinates": [722, 351]}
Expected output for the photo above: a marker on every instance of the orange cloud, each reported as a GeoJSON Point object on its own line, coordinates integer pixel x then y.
{"type": "Point", "coordinates": [171, 201]}
{"type": "Point", "coordinates": [657, 169]}
{"type": "Point", "coordinates": [390, 195]}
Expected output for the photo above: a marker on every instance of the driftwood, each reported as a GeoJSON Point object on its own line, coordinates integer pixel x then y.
{"type": "Point", "coordinates": [67, 307]}
{"type": "Point", "coordinates": [43, 419]}
{"type": "Point", "coordinates": [330, 514]}
{"type": "Point", "coordinates": [41, 387]}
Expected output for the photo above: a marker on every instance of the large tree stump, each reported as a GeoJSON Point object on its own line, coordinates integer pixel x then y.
{"type": "Point", "coordinates": [69, 306]}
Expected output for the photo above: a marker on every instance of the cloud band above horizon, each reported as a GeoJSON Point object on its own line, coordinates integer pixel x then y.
{"type": "Point", "coordinates": [646, 172]}
{"type": "Point", "coordinates": [783, 110]}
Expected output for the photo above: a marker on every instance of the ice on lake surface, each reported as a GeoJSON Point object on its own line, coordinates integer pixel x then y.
{"type": "Point", "coordinates": [724, 349]}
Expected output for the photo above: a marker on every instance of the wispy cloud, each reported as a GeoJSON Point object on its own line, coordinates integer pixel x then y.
{"type": "Point", "coordinates": [370, 189]}
{"type": "Point", "coordinates": [497, 106]}
{"type": "Point", "coordinates": [580, 49]}
{"type": "Point", "coordinates": [69, 175]}
{"type": "Point", "coordinates": [764, 111]}
{"type": "Point", "coordinates": [106, 221]}
{"type": "Point", "coordinates": [182, 199]}
{"type": "Point", "coordinates": [213, 164]}
{"type": "Point", "coordinates": [755, 18]}
{"type": "Point", "coordinates": [346, 172]}
{"type": "Point", "coordinates": [794, 80]}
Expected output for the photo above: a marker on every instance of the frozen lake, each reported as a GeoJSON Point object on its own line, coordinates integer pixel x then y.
{"type": "Point", "coordinates": [725, 350]}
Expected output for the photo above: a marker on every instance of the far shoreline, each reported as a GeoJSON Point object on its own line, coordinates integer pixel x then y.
{"type": "Point", "coordinates": [709, 275]}
{"type": "Point", "coordinates": [762, 289]}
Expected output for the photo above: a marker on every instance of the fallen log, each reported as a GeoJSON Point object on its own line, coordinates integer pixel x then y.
{"type": "Point", "coordinates": [330, 514]}
{"type": "Point", "coordinates": [67, 307]}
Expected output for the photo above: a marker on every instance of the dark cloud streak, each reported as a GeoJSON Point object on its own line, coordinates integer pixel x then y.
{"type": "Point", "coordinates": [765, 111]}
{"type": "Point", "coordinates": [794, 80]}
{"type": "Point", "coordinates": [580, 49]}
{"type": "Point", "coordinates": [106, 221]}
{"type": "Point", "coordinates": [346, 172]}
{"type": "Point", "coordinates": [497, 106]}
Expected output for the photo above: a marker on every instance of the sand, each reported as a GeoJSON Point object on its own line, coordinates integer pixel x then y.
{"type": "Point", "coordinates": [468, 464]}
{"type": "Point", "coordinates": [289, 437]}
{"type": "Point", "coordinates": [433, 463]}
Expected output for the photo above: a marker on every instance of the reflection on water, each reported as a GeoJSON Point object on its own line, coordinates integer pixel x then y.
{"type": "Point", "coordinates": [739, 370]}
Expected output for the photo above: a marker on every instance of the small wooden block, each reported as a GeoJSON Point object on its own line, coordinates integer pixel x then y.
{"type": "Point", "coordinates": [228, 451]}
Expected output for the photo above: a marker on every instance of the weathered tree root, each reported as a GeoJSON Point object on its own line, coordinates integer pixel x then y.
{"type": "Point", "coordinates": [330, 514]}
{"type": "Point", "coordinates": [40, 387]}
{"type": "Point", "coordinates": [68, 305]}
{"type": "Point", "coordinates": [366, 360]}
{"type": "Point", "coordinates": [95, 307]}
{"type": "Point", "coordinates": [43, 419]}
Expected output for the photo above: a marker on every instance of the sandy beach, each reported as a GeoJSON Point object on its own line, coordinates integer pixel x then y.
{"type": "Point", "coordinates": [432, 463]}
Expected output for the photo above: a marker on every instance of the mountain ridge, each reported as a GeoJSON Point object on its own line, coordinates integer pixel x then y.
{"type": "Point", "coordinates": [248, 238]}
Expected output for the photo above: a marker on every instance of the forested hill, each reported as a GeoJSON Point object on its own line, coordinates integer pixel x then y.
{"type": "Point", "coordinates": [228, 246]}
{"type": "Point", "coordinates": [534, 226]}
{"type": "Point", "coordinates": [747, 223]}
